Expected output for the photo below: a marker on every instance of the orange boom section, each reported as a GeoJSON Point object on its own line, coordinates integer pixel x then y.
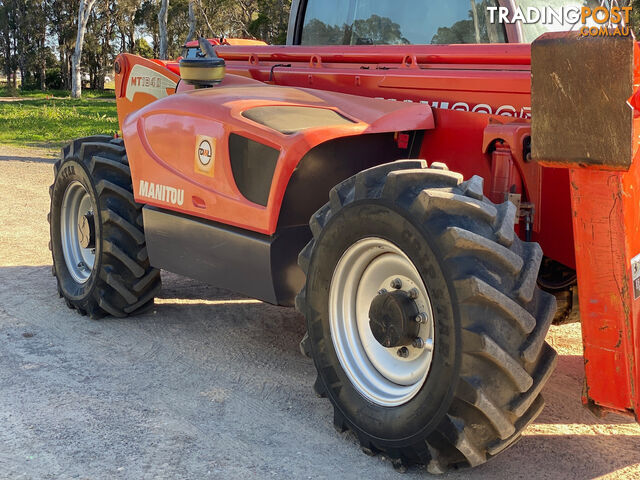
{"type": "Point", "coordinates": [584, 122]}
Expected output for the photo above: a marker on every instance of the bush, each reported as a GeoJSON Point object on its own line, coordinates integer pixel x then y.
{"type": "Point", "coordinates": [54, 79]}
{"type": "Point", "coordinates": [10, 91]}
{"type": "Point", "coordinates": [30, 82]}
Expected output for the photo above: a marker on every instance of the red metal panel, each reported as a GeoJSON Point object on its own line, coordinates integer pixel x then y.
{"type": "Point", "coordinates": [133, 73]}
{"type": "Point", "coordinates": [487, 54]}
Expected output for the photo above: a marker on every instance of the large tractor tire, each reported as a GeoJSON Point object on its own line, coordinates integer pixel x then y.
{"type": "Point", "coordinates": [97, 239]}
{"type": "Point", "coordinates": [424, 320]}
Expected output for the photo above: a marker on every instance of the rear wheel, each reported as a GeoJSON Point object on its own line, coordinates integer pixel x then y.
{"type": "Point", "coordinates": [97, 239]}
{"type": "Point", "coordinates": [424, 319]}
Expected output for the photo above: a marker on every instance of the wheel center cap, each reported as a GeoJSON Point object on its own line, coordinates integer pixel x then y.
{"type": "Point", "coordinates": [392, 318]}
{"type": "Point", "coordinates": [86, 231]}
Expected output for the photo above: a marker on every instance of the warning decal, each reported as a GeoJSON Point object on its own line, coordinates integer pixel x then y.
{"type": "Point", "coordinates": [145, 80]}
{"type": "Point", "coordinates": [635, 274]}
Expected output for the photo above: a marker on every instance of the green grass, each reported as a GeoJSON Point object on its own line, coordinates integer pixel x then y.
{"type": "Point", "coordinates": [6, 92]}
{"type": "Point", "coordinates": [43, 122]}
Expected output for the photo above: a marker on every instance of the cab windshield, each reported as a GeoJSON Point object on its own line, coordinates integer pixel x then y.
{"type": "Point", "coordinates": [424, 22]}
{"type": "Point", "coordinates": [403, 22]}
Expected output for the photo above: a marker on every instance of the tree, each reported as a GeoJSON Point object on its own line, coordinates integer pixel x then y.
{"type": "Point", "coordinates": [84, 11]}
{"type": "Point", "coordinates": [317, 32]}
{"type": "Point", "coordinates": [61, 40]}
{"type": "Point", "coordinates": [98, 51]}
{"type": "Point", "coordinates": [37, 27]}
{"type": "Point", "coordinates": [271, 22]}
{"type": "Point", "coordinates": [62, 16]}
{"type": "Point", "coordinates": [8, 26]}
{"type": "Point", "coordinates": [377, 30]}
{"type": "Point", "coordinates": [125, 17]}
{"type": "Point", "coordinates": [143, 48]}
{"type": "Point", "coordinates": [146, 21]}
{"type": "Point", "coordinates": [162, 27]}
{"type": "Point", "coordinates": [192, 22]}
{"type": "Point", "coordinates": [635, 16]}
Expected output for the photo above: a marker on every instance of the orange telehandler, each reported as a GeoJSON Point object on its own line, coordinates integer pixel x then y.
{"type": "Point", "coordinates": [429, 207]}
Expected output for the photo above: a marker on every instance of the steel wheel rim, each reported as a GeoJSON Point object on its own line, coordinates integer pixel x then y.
{"type": "Point", "coordinates": [76, 203]}
{"type": "Point", "coordinates": [378, 373]}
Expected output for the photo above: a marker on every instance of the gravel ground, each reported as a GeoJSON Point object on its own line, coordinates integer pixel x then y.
{"type": "Point", "coordinates": [210, 384]}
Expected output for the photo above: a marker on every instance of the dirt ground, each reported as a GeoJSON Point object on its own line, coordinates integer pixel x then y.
{"type": "Point", "coordinates": [210, 384]}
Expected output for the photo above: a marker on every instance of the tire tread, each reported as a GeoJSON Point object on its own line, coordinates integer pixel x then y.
{"type": "Point", "coordinates": [484, 233]}
{"type": "Point", "coordinates": [125, 282]}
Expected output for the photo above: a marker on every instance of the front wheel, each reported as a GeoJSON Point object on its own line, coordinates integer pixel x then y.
{"type": "Point", "coordinates": [97, 242]}
{"type": "Point", "coordinates": [424, 319]}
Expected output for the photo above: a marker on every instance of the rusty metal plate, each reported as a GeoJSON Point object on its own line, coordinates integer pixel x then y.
{"type": "Point", "coordinates": [580, 88]}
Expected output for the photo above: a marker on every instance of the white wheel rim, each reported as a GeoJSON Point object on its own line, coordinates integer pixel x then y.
{"type": "Point", "coordinates": [76, 203]}
{"type": "Point", "coordinates": [378, 373]}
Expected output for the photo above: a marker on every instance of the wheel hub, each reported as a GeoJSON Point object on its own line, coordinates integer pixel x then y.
{"type": "Point", "coordinates": [86, 231]}
{"type": "Point", "coordinates": [364, 319]}
{"type": "Point", "coordinates": [77, 231]}
{"type": "Point", "coordinates": [392, 319]}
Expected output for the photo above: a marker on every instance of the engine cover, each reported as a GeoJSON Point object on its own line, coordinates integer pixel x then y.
{"type": "Point", "coordinates": [227, 153]}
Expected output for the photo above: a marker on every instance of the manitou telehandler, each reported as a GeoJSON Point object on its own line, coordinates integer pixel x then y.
{"type": "Point", "coordinates": [343, 173]}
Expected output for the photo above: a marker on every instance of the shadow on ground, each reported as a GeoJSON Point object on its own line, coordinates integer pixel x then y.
{"type": "Point", "coordinates": [18, 158]}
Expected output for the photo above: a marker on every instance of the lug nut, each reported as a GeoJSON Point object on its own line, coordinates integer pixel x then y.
{"type": "Point", "coordinates": [420, 343]}
{"type": "Point", "coordinates": [414, 293]}
{"type": "Point", "coordinates": [382, 291]}
{"type": "Point", "coordinates": [421, 318]}
{"type": "Point", "coordinates": [403, 352]}
{"type": "Point", "coordinates": [397, 284]}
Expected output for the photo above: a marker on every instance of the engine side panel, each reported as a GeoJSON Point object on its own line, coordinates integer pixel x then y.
{"type": "Point", "coordinates": [182, 160]}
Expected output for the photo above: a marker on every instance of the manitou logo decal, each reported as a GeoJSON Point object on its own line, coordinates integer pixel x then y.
{"type": "Point", "coordinates": [145, 80]}
{"type": "Point", "coordinates": [205, 154]}
{"type": "Point", "coordinates": [503, 110]}
{"type": "Point", "coordinates": [162, 193]}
